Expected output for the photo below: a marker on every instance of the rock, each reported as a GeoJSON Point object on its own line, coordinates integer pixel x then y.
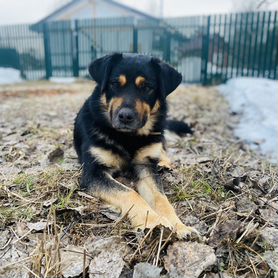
{"type": "Point", "coordinates": [227, 229]}
{"type": "Point", "coordinates": [56, 155]}
{"type": "Point", "coordinates": [245, 205]}
{"type": "Point", "coordinates": [49, 202]}
{"type": "Point", "coordinates": [271, 257]}
{"type": "Point", "coordinates": [270, 236]}
{"type": "Point", "coordinates": [38, 226]}
{"type": "Point", "coordinates": [222, 275]}
{"type": "Point", "coordinates": [188, 259]}
{"type": "Point", "coordinates": [9, 268]}
{"type": "Point", "coordinates": [146, 270]}
{"type": "Point", "coordinates": [107, 256]}
{"type": "Point", "coordinates": [72, 261]}
{"type": "Point", "coordinates": [269, 215]}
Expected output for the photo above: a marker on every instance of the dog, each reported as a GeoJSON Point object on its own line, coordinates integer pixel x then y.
{"type": "Point", "coordinates": [121, 128]}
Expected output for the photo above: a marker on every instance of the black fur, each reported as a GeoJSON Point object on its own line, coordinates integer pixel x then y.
{"type": "Point", "coordinates": [95, 126]}
{"type": "Point", "coordinates": [181, 128]}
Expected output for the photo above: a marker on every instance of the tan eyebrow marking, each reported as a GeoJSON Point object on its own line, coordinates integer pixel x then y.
{"type": "Point", "coordinates": [139, 81]}
{"type": "Point", "coordinates": [122, 80]}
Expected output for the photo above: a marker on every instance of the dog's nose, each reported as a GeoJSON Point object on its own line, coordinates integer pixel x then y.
{"type": "Point", "coordinates": [126, 115]}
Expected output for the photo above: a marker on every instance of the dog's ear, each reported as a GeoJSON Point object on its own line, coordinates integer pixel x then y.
{"type": "Point", "coordinates": [100, 68]}
{"type": "Point", "coordinates": [169, 78]}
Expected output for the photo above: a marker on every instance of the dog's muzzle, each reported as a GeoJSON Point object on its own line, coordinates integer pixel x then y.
{"type": "Point", "coordinates": [126, 119]}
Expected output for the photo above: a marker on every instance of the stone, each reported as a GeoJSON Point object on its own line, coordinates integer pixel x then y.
{"type": "Point", "coordinates": [188, 259]}
{"type": "Point", "coordinates": [270, 236]}
{"type": "Point", "coordinates": [146, 270]}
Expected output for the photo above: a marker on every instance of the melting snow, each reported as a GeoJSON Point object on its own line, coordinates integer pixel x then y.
{"type": "Point", "coordinates": [256, 100]}
{"type": "Point", "coordinates": [9, 76]}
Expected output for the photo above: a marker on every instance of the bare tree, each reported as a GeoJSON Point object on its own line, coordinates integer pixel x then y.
{"type": "Point", "coordinates": [253, 5]}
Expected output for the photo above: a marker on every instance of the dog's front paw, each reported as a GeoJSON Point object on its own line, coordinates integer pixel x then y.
{"type": "Point", "coordinates": [184, 231]}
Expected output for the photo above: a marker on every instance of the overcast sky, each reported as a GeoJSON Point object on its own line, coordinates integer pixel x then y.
{"type": "Point", "coordinates": [29, 11]}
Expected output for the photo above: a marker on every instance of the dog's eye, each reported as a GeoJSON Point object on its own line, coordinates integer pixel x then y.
{"type": "Point", "coordinates": [148, 87]}
{"type": "Point", "coordinates": [114, 83]}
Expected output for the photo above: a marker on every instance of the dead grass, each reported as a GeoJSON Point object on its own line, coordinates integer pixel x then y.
{"type": "Point", "coordinates": [218, 184]}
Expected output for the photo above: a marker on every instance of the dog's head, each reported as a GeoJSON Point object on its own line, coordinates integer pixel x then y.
{"type": "Point", "coordinates": [133, 87]}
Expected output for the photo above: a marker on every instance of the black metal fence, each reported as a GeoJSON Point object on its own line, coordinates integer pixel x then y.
{"type": "Point", "coordinates": [205, 49]}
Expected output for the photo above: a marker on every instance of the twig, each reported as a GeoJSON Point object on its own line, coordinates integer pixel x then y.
{"type": "Point", "coordinates": [84, 264]}
{"type": "Point", "coordinates": [159, 246]}
{"type": "Point", "coordinates": [7, 243]}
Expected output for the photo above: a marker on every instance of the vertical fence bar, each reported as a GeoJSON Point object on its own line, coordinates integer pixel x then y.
{"type": "Point", "coordinates": [211, 53]}
{"type": "Point", "coordinates": [243, 65]}
{"type": "Point", "coordinates": [224, 45]}
{"type": "Point", "coordinates": [272, 48]}
{"type": "Point", "coordinates": [255, 46]}
{"type": "Point", "coordinates": [135, 38]}
{"type": "Point", "coordinates": [205, 53]}
{"type": "Point", "coordinates": [167, 47]}
{"type": "Point", "coordinates": [75, 52]}
{"type": "Point", "coordinates": [47, 51]}
{"type": "Point", "coordinates": [250, 43]}
{"type": "Point", "coordinates": [229, 47]}
{"type": "Point", "coordinates": [218, 42]}
{"type": "Point", "coordinates": [275, 54]}
{"type": "Point", "coordinates": [234, 46]}
{"type": "Point", "coordinates": [261, 45]}
{"type": "Point", "coordinates": [239, 44]}
{"type": "Point", "coordinates": [266, 43]}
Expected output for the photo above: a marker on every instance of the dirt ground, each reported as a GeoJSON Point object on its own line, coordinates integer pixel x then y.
{"type": "Point", "coordinates": [48, 228]}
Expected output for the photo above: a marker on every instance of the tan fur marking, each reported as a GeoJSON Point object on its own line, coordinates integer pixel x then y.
{"type": "Point", "coordinates": [142, 108]}
{"type": "Point", "coordinates": [164, 161]}
{"type": "Point", "coordinates": [107, 157]}
{"type": "Point", "coordinates": [150, 151]}
{"type": "Point", "coordinates": [103, 100]}
{"type": "Point", "coordinates": [140, 81]}
{"type": "Point", "coordinates": [155, 107]}
{"type": "Point", "coordinates": [115, 103]}
{"type": "Point", "coordinates": [122, 80]}
{"type": "Point", "coordinates": [147, 128]}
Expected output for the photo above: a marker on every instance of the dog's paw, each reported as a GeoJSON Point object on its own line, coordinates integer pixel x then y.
{"type": "Point", "coordinates": [183, 231]}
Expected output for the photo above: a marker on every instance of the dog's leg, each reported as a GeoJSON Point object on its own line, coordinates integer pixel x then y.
{"type": "Point", "coordinates": [98, 182]}
{"type": "Point", "coordinates": [150, 188]}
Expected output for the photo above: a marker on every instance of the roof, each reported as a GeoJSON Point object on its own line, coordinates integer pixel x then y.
{"type": "Point", "coordinates": [73, 2]}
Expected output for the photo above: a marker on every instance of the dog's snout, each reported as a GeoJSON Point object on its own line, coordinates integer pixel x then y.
{"type": "Point", "coordinates": [126, 115]}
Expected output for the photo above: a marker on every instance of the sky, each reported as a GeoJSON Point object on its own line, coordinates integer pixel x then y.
{"type": "Point", "coordinates": [30, 11]}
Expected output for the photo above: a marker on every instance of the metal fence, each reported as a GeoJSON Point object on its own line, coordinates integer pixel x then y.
{"type": "Point", "coordinates": [205, 49]}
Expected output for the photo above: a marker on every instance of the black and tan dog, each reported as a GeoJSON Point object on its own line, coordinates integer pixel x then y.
{"type": "Point", "coordinates": [121, 128]}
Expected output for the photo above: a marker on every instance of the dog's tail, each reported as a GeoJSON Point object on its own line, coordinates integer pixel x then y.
{"type": "Point", "coordinates": [178, 127]}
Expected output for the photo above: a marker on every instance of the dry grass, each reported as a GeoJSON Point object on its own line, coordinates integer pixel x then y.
{"type": "Point", "coordinates": [218, 184]}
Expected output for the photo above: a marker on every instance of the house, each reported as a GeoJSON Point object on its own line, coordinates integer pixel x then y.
{"type": "Point", "coordinates": [85, 9]}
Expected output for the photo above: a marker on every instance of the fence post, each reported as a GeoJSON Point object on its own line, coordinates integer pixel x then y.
{"type": "Point", "coordinates": [205, 53]}
{"type": "Point", "coordinates": [167, 48]}
{"type": "Point", "coordinates": [75, 57]}
{"type": "Point", "coordinates": [47, 51]}
{"type": "Point", "coordinates": [135, 39]}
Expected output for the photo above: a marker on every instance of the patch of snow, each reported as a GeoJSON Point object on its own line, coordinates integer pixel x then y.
{"type": "Point", "coordinates": [64, 80]}
{"type": "Point", "coordinates": [9, 76]}
{"type": "Point", "coordinates": [256, 100]}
